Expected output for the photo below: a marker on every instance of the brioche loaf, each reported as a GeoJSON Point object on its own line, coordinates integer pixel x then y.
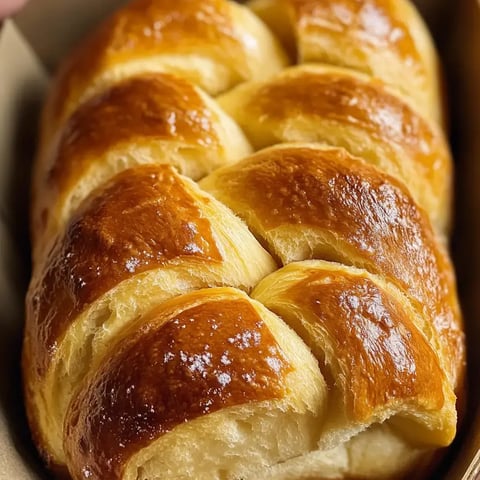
{"type": "Point", "coordinates": [293, 314]}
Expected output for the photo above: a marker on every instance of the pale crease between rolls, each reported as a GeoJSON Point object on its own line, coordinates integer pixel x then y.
{"type": "Point", "coordinates": [139, 362]}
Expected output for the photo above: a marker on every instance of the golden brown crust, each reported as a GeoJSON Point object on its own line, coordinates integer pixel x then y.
{"type": "Point", "coordinates": [368, 215]}
{"type": "Point", "coordinates": [149, 119]}
{"type": "Point", "coordinates": [144, 218]}
{"type": "Point", "coordinates": [145, 29]}
{"type": "Point", "coordinates": [369, 23]}
{"type": "Point", "coordinates": [172, 368]}
{"type": "Point", "coordinates": [358, 102]}
{"type": "Point", "coordinates": [382, 356]}
{"type": "Point", "coordinates": [354, 111]}
{"type": "Point", "coordinates": [383, 38]}
{"type": "Point", "coordinates": [155, 106]}
{"type": "Point", "coordinates": [141, 110]}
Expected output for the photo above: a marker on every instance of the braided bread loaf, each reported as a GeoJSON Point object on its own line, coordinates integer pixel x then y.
{"type": "Point", "coordinates": [292, 315]}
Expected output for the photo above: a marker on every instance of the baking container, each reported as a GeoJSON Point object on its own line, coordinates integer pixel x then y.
{"type": "Point", "coordinates": [31, 46]}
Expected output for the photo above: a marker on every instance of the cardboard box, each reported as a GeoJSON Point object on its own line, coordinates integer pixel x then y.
{"type": "Point", "coordinates": [30, 47]}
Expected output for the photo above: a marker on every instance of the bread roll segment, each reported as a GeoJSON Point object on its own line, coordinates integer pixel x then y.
{"type": "Point", "coordinates": [145, 236]}
{"type": "Point", "coordinates": [213, 370]}
{"type": "Point", "coordinates": [375, 421]}
{"type": "Point", "coordinates": [375, 350]}
{"type": "Point", "coordinates": [383, 38]}
{"type": "Point", "coordinates": [213, 43]}
{"type": "Point", "coordinates": [291, 316]}
{"type": "Point", "coordinates": [153, 118]}
{"type": "Point", "coordinates": [309, 201]}
{"type": "Point", "coordinates": [340, 107]}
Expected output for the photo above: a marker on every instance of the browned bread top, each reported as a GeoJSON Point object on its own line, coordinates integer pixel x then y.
{"type": "Point", "coordinates": [183, 361]}
{"type": "Point", "coordinates": [222, 45]}
{"type": "Point", "coordinates": [316, 202]}
{"type": "Point", "coordinates": [291, 315]}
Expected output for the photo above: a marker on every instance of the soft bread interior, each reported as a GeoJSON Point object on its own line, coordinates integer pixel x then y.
{"type": "Point", "coordinates": [378, 452]}
{"type": "Point", "coordinates": [238, 443]}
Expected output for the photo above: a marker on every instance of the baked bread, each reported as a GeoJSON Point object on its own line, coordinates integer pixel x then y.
{"type": "Point", "coordinates": [293, 314]}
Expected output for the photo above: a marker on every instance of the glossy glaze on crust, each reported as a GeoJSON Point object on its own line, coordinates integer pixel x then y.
{"type": "Point", "coordinates": [157, 107]}
{"type": "Point", "coordinates": [338, 107]}
{"type": "Point", "coordinates": [172, 369]}
{"type": "Point", "coordinates": [358, 102]}
{"type": "Point", "coordinates": [379, 353]}
{"type": "Point", "coordinates": [368, 215]}
{"type": "Point", "coordinates": [143, 219]}
{"type": "Point", "coordinates": [145, 29]}
{"type": "Point", "coordinates": [369, 23]}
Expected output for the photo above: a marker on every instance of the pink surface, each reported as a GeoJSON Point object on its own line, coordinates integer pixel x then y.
{"type": "Point", "coordinates": [9, 7]}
